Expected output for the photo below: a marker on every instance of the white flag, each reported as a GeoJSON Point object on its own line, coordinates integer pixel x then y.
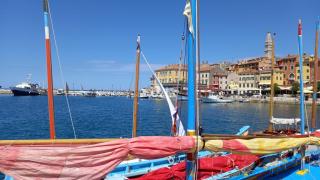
{"type": "Point", "coordinates": [188, 14]}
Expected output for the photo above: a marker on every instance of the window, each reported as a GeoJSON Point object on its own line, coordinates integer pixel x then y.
{"type": "Point", "coordinates": [277, 78]}
{"type": "Point", "coordinates": [239, 85]}
{"type": "Point", "coordinates": [298, 77]}
{"type": "Point", "coordinates": [280, 78]}
{"type": "Point", "coordinates": [291, 76]}
{"type": "Point", "coordinates": [307, 70]}
{"type": "Point", "coordinates": [291, 67]}
{"type": "Point", "coordinates": [298, 71]}
{"type": "Point", "coordinates": [308, 77]}
{"type": "Point", "coordinates": [284, 76]}
{"type": "Point", "coordinates": [285, 68]}
{"type": "Point", "coordinates": [251, 84]}
{"type": "Point", "coordinates": [248, 85]}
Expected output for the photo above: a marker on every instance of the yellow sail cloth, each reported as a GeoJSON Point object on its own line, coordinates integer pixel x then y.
{"type": "Point", "coordinates": [259, 145]}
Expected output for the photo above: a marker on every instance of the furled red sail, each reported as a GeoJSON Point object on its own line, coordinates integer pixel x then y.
{"type": "Point", "coordinates": [85, 161]}
{"type": "Point", "coordinates": [207, 167]}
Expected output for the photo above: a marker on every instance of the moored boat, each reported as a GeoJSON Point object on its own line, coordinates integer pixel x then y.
{"type": "Point", "coordinates": [25, 89]}
{"type": "Point", "coordinates": [212, 98]}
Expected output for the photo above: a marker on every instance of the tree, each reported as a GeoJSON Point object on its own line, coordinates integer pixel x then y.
{"type": "Point", "coordinates": [295, 87]}
{"type": "Point", "coordinates": [319, 86]}
{"type": "Point", "coordinates": [276, 88]}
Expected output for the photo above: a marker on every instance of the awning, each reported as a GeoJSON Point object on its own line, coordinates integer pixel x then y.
{"type": "Point", "coordinates": [306, 91]}
{"type": "Point", "coordinates": [285, 87]}
{"type": "Point", "coordinates": [289, 121]}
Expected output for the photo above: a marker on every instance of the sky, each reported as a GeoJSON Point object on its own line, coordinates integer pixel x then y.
{"type": "Point", "coordinates": [97, 38]}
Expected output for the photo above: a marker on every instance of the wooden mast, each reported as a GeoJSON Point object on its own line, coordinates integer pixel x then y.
{"type": "Point", "coordinates": [49, 71]}
{"type": "Point", "coordinates": [136, 92]}
{"type": "Point", "coordinates": [315, 78]}
{"type": "Point", "coordinates": [270, 128]}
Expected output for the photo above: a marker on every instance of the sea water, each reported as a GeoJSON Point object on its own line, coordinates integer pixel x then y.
{"type": "Point", "coordinates": [111, 117]}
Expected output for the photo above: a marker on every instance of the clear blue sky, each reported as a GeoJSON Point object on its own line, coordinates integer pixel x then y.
{"type": "Point", "coordinates": [97, 38]}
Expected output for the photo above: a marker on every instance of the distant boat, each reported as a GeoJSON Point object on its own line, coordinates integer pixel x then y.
{"type": "Point", "coordinates": [182, 97]}
{"type": "Point", "coordinates": [143, 95]}
{"type": "Point", "coordinates": [89, 94]}
{"type": "Point", "coordinates": [25, 89]}
{"type": "Point", "coordinates": [216, 99]}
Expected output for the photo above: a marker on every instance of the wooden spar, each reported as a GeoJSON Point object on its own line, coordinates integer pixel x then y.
{"type": "Point", "coordinates": [136, 91]}
{"type": "Point", "coordinates": [270, 128]}
{"type": "Point", "coordinates": [54, 141]}
{"type": "Point", "coordinates": [227, 137]}
{"type": "Point", "coordinates": [49, 71]}
{"type": "Point", "coordinates": [315, 79]}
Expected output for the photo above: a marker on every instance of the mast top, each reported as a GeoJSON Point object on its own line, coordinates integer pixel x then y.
{"type": "Point", "coordinates": [45, 6]}
{"type": "Point", "coordinates": [138, 42]}
{"type": "Point", "coordinates": [300, 28]}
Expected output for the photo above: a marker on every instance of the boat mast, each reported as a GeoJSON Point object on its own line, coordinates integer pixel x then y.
{"type": "Point", "coordinates": [49, 70]}
{"type": "Point", "coordinates": [270, 128]}
{"type": "Point", "coordinates": [136, 92]}
{"type": "Point", "coordinates": [198, 125]}
{"type": "Point", "coordinates": [301, 76]}
{"type": "Point", "coordinates": [301, 91]}
{"type": "Point", "coordinates": [315, 78]}
{"type": "Point", "coordinates": [191, 39]}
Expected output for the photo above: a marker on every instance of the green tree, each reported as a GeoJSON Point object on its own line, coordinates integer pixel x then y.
{"type": "Point", "coordinates": [295, 87]}
{"type": "Point", "coordinates": [276, 89]}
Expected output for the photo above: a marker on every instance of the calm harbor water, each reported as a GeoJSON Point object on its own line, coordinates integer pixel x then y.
{"type": "Point", "coordinates": [103, 117]}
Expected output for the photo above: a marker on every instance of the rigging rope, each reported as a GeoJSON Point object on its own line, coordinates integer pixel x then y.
{"type": "Point", "coordinates": [60, 70]}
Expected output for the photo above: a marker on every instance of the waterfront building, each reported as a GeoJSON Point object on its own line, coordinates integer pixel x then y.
{"type": "Point", "coordinates": [254, 64]}
{"type": "Point", "coordinates": [232, 83]}
{"type": "Point", "coordinates": [288, 65]}
{"type": "Point", "coordinates": [168, 75]}
{"type": "Point", "coordinates": [306, 71]}
{"type": "Point", "coordinates": [312, 69]}
{"type": "Point", "coordinates": [249, 83]}
{"type": "Point", "coordinates": [204, 76]}
{"type": "Point", "coordinates": [265, 78]}
{"type": "Point", "coordinates": [218, 78]}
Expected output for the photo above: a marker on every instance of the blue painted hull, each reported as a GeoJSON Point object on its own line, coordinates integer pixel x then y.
{"type": "Point", "coordinates": [286, 168]}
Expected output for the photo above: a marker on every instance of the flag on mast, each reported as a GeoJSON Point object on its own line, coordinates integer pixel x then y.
{"type": "Point", "coordinates": [187, 12]}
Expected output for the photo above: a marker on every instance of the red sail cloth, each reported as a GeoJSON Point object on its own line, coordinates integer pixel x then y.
{"type": "Point", "coordinates": [86, 161]}
{"type": "Point", "coordinates": [207, 167]}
